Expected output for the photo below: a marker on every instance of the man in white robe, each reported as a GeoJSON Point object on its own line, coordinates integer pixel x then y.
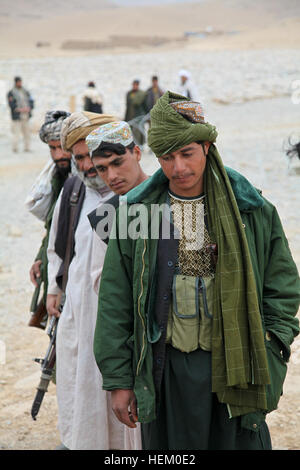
{"type": "Point", "coordinates": [85, 419]}
{"type": "Point", "coordinates": [187, 87]}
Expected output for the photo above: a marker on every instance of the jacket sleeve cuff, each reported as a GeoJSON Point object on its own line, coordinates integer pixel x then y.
{"type": "Point", "coordinates": [115, 383]}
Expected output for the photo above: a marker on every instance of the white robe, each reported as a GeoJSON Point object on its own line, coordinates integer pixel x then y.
{"type": "Point", "coordinates": [189, 90]}
{"type": "Point", "coordinates": [85, 418]}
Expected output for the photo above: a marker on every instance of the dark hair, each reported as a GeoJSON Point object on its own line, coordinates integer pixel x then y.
{"type": "Point", "coordinates": [18, 79]}
{"type": "Point", "coordinates": [91, 84]}
{"type": "Point", "coordinates": [201, 142]}
{"type": "Point", "coordinates": [154, 77]}
{"type": "Point", "coordinates": [105, 149]}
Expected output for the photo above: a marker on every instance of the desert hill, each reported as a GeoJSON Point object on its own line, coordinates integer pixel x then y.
{"type": "Point", "coordinates": [38, 28]}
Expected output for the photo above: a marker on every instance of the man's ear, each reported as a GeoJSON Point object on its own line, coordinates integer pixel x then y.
{"type": "Point", "coordinates": [206, 146]}
{"type": "Point", "coordinates": [137, 152]}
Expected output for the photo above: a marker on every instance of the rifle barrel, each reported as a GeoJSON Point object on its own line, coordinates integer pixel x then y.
{"type": "Point", "coordinates": [47, 368]}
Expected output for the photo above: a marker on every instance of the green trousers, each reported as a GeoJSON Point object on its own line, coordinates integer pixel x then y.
{"type": "Point", "coordinates": [190, 416]}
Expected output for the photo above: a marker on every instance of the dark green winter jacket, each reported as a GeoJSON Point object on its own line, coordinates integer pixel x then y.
{"type": "Point", "coordinates": [126, 326]}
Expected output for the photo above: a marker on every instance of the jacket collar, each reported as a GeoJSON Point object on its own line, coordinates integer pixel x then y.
{"type": "Point", "coordinates": [247, 196]}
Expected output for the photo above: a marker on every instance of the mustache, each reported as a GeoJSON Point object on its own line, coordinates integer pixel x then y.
{"type": "Point", "coordinates": [91, 172]}
{"type": "Point", "coordinates": [61, 160]}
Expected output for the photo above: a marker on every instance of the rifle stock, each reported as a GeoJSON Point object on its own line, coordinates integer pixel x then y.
{"type": "Point", "coordinates": [39, 315]}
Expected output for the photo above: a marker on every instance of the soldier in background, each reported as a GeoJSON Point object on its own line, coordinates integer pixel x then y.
{"type": "Point", "coordinates": [92, 99]}
{"type": "Point", "coordinates": [21, 105]}
{"type": "Point", "coordinates": [136, 109]}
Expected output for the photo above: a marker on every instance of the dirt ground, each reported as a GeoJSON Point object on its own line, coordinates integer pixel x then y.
{"type": "Point", "coordinates": [19, 375]}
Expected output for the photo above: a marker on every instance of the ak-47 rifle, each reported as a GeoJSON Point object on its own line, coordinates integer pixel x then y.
{"type": "Point", "coordinates": [49, 360]}
{"type": "Point", "coordinates": [47, 365]}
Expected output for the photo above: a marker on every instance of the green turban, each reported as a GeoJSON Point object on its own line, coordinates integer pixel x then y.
{"type": "Point", "coordinates": [171, 125]}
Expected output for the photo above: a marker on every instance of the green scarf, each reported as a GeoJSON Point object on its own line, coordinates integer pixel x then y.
{"type": "Point", "coordinates": [239, 360]}
{"type": "Point", "coordinates": [169, 131]}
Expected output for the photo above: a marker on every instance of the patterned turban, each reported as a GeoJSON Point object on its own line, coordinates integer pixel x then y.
{"type": "Point", "coordinates": [51, 128]}
{"type": "Point", "coordinates": [175, 122]}
{"type": "Point", "coordinates": [79, 125]}
{"type": "Point", "coordinates": [118, 132]}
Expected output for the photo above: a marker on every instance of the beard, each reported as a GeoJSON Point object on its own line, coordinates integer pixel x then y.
{"type": "Point", "coordinates": [63, 170]}
{"type": "Point", "coordinates": [93, 182]}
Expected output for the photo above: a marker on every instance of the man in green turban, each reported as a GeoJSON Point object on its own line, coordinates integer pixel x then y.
{"type": "Point", "coordinates": [197, 314]}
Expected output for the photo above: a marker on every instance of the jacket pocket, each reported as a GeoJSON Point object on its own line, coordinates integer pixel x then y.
{"type": "Point", "coordinates": [277, 370]}
{"type": "Point", "coordinates": [185, 313]}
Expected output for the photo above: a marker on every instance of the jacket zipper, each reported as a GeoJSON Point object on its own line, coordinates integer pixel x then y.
{"type": "Point", "coordinates": [139, 308]}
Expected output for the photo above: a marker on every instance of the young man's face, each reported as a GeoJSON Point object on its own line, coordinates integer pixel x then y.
{"type": "Point", "coordinates": [61, 158]}
{"type": "Point", "coordinates": [185, 168]}
{"type": "Point", "coordinates": [120, 172]}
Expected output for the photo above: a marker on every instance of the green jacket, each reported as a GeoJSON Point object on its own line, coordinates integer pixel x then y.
{"type": "Point", "coordinates": [122, 342]}
{"type": "Point", "coordinates": [135, 104]}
